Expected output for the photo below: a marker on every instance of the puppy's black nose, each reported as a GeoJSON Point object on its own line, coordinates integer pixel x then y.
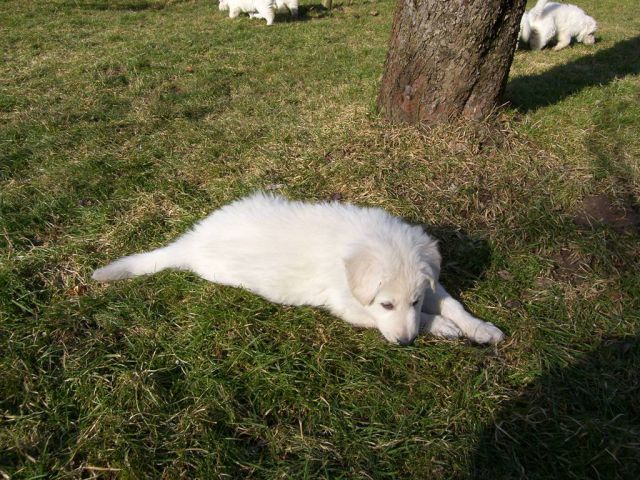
{"type": "Point", "coordinates": [406, 342]}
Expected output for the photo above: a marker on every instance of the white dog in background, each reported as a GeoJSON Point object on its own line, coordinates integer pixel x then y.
{"type": "Point", "coordinates": [265, 9]}
{"type": "Point", "coordinates": [362, 264]}
{"type": "Point", "coordinates": [548, 21]}
{"type": "Point", "coordinates": [282, 6]}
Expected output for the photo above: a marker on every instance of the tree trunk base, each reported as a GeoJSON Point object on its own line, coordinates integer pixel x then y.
{"type": "Point", "coordinates": [448, 59]}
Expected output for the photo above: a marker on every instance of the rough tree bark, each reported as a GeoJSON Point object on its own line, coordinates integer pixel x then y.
{"type": "Point", "coordinates": [448, 58]}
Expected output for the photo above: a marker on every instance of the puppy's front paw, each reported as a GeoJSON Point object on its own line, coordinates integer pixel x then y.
{"type": "Point", "coordinates": [439, 326]}
{"type": "Point", "coordinates": [487, 332]}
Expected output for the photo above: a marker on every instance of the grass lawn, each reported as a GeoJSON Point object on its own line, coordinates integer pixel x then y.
{"type": "Point", "coordinates": [122, 122]}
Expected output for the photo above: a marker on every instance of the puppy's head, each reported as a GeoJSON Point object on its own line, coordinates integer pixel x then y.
{"type": "Point", "coordinates": [588, 33]}
{"type": "Point", "coordinates": [390, 282]}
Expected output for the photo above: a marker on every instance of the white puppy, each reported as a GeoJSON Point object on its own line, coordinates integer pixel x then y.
{"type": "Point", "coordinates": [549, 21]}
{"type": "Point", "coordinates": [282, 6]}
{"type": "Point", "coordinates": [265, 9]}
{"type": "Point", "coordinates": [362, 264]}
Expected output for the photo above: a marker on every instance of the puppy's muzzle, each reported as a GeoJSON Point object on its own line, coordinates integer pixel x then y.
{"type": "Point", "coordinates": [405, 342]}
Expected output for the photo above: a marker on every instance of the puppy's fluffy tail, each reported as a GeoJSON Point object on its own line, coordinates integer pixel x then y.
{"type": "Point", "coordinates": [140, 264]}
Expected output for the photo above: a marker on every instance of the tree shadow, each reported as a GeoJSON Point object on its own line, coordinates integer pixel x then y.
{"type": "Point", "coordinates": [581, 421]}
{"type": "Point", "coordinates": [531, 92]}
{"type": "Point", "coordinates": [610, 142]}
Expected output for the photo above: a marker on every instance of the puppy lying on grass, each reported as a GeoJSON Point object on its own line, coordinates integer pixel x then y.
{"type": "Point", "coordinates": [549, 21]}
{"type": "Point", "coordinates": [265, 9]}
{"type": "Point", "coordinates": [362, 264]}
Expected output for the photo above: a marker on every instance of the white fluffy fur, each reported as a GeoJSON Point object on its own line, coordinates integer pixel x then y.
{"type": "Point", "coordinates": [548, 21]}
{"type": "Point", "coordinates": [362, 264]}
{"type": "Point", "coordinates": [265, 9]}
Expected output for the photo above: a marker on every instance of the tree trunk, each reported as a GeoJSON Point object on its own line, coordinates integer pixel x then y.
{"type": "Point", "coordinates": [448, 58]}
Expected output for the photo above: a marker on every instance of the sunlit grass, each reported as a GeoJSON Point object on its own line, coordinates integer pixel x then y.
{"type": "Point", "coordinates": [123, 122]}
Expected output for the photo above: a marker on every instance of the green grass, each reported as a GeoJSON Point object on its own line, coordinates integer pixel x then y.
{"type": "Point", "coordinates": [122, 122]}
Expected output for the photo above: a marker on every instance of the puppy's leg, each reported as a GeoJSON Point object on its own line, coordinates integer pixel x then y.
{"type": "Point", "coordinates": [266, 12]}
{"type": "Point", "coordinates": [564, 39]}
{"type": "Point", "coordinates": [438, 326]}
{"type": "Point", "coordinates": [234, 12]}
{"type": "Point", "coordinates": [447, 306]}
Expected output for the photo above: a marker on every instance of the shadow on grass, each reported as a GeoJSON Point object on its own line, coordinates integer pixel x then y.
{"type": "Point", "coordinates": [534, 91]}
{"type": "Point", "coordinates": [581, 421]}
{"type": "Point", "coordinates": [464, 259]}
{"type": "Point", "coordinates": [610, 143]}
{"type": "Point", "coordinates": [125, 5]}
{"type": "Point", "coordinates": [306, 13]}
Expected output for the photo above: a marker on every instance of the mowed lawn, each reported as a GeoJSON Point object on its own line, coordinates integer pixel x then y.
{"type": "Point", "coordinates": [123, 122]}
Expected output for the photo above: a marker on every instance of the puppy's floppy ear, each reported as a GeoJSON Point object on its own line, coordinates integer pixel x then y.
{"type": "Point", "coordinates": [431, 277]}
{"type": "Point", "coordinates": [364, 275]}
{"type": "Point", "coordinates": [431, 259]}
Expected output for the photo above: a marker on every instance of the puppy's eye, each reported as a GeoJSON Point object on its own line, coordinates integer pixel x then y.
{"type": "Point", "coordinates": [387, 305]}
{"type": "Point", "coordinates": [414, 303]}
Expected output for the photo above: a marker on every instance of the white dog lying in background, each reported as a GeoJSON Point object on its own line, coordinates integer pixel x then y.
{"type": "Point", "coordinates": [362, 264]}
{"type": "Point", "coordinates": [265, 9]}
{"type": "Point", "coordinates": [549, 21]}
